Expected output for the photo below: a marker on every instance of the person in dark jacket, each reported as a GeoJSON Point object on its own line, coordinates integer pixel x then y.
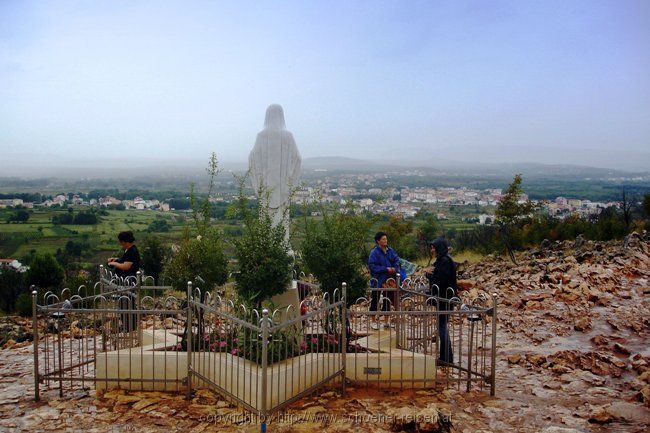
{"type": "Point", "coordinates": [129, 264]}
{"type": "Point", "coordinates": [441, 278]}
{"type": "Point", "coordinates": [383, 264]}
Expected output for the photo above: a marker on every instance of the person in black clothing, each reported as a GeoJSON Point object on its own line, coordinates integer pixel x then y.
{"type": "Point", "coordinates": [129, 264]}
{"type": "Point", "coordinates": [443, 275]}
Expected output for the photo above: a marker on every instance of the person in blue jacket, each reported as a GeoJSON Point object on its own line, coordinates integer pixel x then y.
{"type": "Point", "coordinates": [383, 264]}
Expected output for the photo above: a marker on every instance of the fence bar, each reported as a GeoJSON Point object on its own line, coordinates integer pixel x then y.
{"type": "Point", "coordinates": [344, 335]}
{"type": "Point", "coordinates": [265, 342]}
{"type": "Point", "coordinates": [493, 381]}
{"type": "Point", "coordinates": [35, 340]}
{"type": "Point", "coordinates": [188, 327]}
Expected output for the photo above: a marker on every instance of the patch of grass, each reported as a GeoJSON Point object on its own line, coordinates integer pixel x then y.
{"type": "Point", "coordinates": [469, 256]}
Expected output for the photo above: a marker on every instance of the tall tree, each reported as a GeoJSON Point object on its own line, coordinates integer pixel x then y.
{"type": "Point", "coordinates": [627, 202]}
{"type": "Point", "coordinates": [510, 211]}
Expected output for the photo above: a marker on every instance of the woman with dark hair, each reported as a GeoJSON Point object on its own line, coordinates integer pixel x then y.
{"type": "Point", "coordinates": [441, 278]}
{"type": "Point", "coordinates": [383, 264]}
{"type": "Point", "coordinates": [129, 264]}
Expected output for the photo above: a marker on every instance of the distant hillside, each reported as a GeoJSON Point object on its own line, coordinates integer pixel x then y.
{"type": "Point", "coordinates": [335, 163]}
{"type": "Point", "coordinates": [451, 167]}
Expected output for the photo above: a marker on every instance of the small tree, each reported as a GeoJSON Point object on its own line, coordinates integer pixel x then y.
{"type": "Point", "coordinates": [45, 272]}
{"type": "Point", "coordinates": [201, 257]}
{"type": "Point", "coordinates": [334, 251]}
{"type": "Point", "coordinates": [646, 205]}
{"type": "Point", "coordinates": [262, 253]}
{"type": "Point", "coordinates": [153, 256]}
{"type": "Point", "coordinates": [400, 236]}
{"type": "Point", "coordinates": [510, 212]}
{"type": "Point", "coordinates": [20, 216]}
{"type": "Point", "coordinates": [627, 202]}
{"type": "Point", "coordinates": [12, 284]}
{"type": "Point", "coordinates": [425, 233]}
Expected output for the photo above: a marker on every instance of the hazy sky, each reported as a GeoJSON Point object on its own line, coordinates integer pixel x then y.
{"type": "Point", "coordinates": [565, 81]}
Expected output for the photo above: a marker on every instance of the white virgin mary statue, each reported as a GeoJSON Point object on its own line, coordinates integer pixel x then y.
{"type": "Point", "coordinates": [274, 164]}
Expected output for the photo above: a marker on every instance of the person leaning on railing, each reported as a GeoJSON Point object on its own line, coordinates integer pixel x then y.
{"type": "Point", "coordinates": [129, 264]}
{"type": "Point", "coordinates": [442, 275]}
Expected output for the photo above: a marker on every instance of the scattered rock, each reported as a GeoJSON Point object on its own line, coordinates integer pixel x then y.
{"type": "Point", "coordinates": [582, 324]}
{"type": "Point", "coordinates": [618, 348]}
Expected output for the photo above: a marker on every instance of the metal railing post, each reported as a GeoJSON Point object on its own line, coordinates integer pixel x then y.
{"type": "Point", "coordinates": [35, 340]}
{"type": "Point", "coordinates": [265, 343]}
{"type": "Point", "coordinates": [138, 285]}
{"type": "Point", "coordinates": [101, 279]}
{"type": "Point", "coordinates": [493, 379]}
{"type": "Point", "coordinates": [398, 308]}
{"type": "Point", "coordinates": [189, 340]}
{"type": "Point", "coordinates": [344, 335]}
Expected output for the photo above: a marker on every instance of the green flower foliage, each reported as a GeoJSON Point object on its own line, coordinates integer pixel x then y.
{"type": "Point", "coordinates": [334, 251]}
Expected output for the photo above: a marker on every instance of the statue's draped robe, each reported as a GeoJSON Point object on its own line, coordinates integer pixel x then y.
{"type": "Point", "coordinates": [274, 164]}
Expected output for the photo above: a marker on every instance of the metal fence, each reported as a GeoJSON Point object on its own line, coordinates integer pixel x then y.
{"type": "Point", "coordinates": [264, 361]}
{"type": "Point", "coordinates": [129, 334]}
{"type": "Point", "coordinates": [89, 332]}
{"type": "Point", "coordinates": [419, 339]}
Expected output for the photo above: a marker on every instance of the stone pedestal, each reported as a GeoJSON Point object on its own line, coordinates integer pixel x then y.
{"type": "Point", "coordinates": [283, 300]}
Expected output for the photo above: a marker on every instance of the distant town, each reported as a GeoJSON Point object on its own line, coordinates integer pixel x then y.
{"type": "Point", "coordinates": [360, 191]}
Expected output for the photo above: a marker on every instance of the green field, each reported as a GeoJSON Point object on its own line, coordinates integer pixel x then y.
{"type": "Point", "coordinates": [39, 234]}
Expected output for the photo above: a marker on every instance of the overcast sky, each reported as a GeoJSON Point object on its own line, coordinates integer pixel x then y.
{"type": "Point", "coordinates": [546, 81]}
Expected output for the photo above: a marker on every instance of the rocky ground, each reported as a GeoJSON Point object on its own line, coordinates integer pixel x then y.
{"type": "Point", "coordinates": [574, 322]}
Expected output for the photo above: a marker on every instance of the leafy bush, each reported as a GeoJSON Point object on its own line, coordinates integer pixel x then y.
{"type": "Point", "coordinates": [24, 305]}
{"type": "Point", "coordinates": [400, 236]}
{"type": "Point", "coordinates": [159, 225]}
{"type": "Point", "coordinates": [20, 216]}
{"type": "Point", "coordinates": [85, 218]}
{"type": "Point", "coordinates": [154, 254]}
{"type": "Point", "coordinates": [334, 251]}
{"type": "Point", "coordinates": [45, 272]}
{"type": "Point", "coordinates": [202, 257]}
{"type": "Point", "coordinates": [11, 285]}
{"type": "Point", "coordinates": [428, 231]}
{"type": "Point", "coordinates": [64, 218]}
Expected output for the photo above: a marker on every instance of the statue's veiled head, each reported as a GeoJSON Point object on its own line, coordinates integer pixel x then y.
{"type": "Point", "coordinates": [274, 117]}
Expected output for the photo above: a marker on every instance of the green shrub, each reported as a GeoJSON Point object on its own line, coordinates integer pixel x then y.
{"type": "Point", "coordinates": [334, 251]}
{"type": "Point", "coordinates": [262, 253]}
{"type": "Point", "coordinates": [45, 272]}
{"type": "Point", "coordinates": [24, 305]}
{"type": "Point", "coordinates": [400, 236]}
{"type": "Point", "coordinates": [202, 257]}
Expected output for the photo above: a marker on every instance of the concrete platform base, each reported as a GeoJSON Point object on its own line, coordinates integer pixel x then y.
{"type": "Point", "coordinates": [151, 367]}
